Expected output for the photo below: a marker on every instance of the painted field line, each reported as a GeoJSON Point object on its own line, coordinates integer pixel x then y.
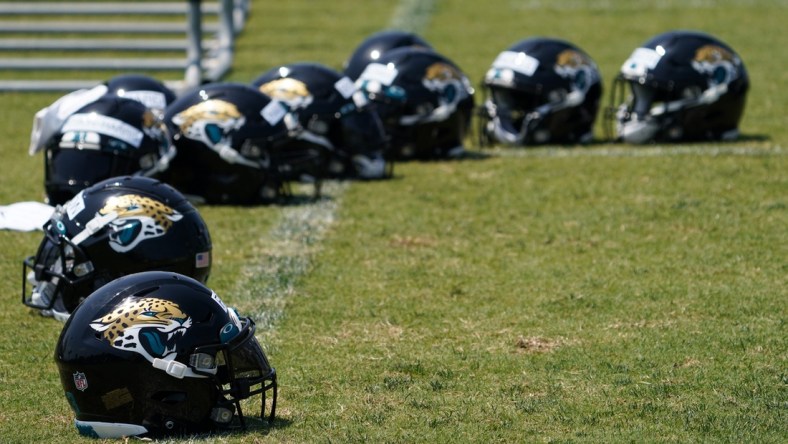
{"type": "Point", "coordinates": [412, 15]}
{"type": "Point", "coordinates": [285, 254]}
{"type": "Point", "coordinates": [636, 151]}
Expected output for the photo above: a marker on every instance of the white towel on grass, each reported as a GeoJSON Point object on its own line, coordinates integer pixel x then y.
{"type": "Point", "coordinates": [25, 216]}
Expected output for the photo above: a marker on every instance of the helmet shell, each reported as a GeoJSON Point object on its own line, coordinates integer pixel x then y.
{"type": "Point", "coordinates": [152, 92]}
{"type": "Point", "coordinates": [682, 86]}
{"type": "Point", "coordinates": [111, 136]}
{"type": "Point", "coordinates": [542, 90]}
{"type": "Point", "coordinates": [684, 59]}
{"type": "Point", "coordinates": [424, 100]}
{"type": "Point", "coordinates": [224, 133]}
{"type": "Point", "coordinates": [333, 116]}
{"type": "Point", "coordinates": [374, 46]}
{"type": "Point", "coordinates": [150, 353]}
{"type": "Point", "coordinates": [138, 224]}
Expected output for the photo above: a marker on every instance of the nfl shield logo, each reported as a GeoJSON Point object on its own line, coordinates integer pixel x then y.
{"type": "Point", "coordinates": [80, 381]}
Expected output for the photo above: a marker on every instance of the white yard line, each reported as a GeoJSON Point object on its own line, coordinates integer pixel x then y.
{"type": "Point", "coordinates": [412, 15]}
{"type": "Point", "coordinates": [284, 254]}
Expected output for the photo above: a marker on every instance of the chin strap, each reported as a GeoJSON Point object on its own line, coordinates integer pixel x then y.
{"type": "Point", "coordinates": [205, 363]}
{"type": "Point", "coordinates": [316, 139]}
{"type": "Point", "coordinates": [533, 118]}
{"type": "Point", "coordinates": [438, 114]}
{"type": "Point", "coordinates": [92, 227]}
{"type": "Point", "coordinates": [370, 167]}
{"type": "Point", "coordinates": [641, 131]}
{"type": "Point", "coordinates": [707, 97]}
{"type": "Point", "coordinates": [230, 155]}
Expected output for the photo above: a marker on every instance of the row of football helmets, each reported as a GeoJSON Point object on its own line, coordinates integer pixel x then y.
{"type": "Point", "coordinates": [126, 256]}
{"type": "Point", "coordinates": [677, 86]}
{"type": "Point", "coordinates": [397, 98]}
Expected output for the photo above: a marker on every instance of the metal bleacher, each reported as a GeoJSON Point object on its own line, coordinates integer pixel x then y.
{"type": "Point", "coordinates": [84, 38]}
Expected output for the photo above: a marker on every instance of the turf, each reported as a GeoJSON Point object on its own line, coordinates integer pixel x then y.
{"type": "Point", "coordinates": [608, 293]}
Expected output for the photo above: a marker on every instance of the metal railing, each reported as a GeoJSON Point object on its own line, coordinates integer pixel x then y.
{"type": "Point", "coordinates": [78, 36]}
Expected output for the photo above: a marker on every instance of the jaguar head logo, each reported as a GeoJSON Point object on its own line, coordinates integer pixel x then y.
{"type": "Point", "coordinates": [288, 90]}
{"type": "Point", "coordinates": [148, 326]}
{"type": "Point", "coordinates": [441, 72]}
{"type": "Point", "coordinates": [139, 218]}
{"type": "Point", "coordinates": [577, 67]}
{"type": "Point", "coordinates": [447, 81]}
{"type": "Point", "coordinates": [210, 121]}
{"type": "Point", "coordinates": [713, 54]}
{"type": "Point", "coordinates": [719, 63]}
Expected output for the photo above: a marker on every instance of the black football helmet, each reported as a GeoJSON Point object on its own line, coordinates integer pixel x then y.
{"type": "Point", "coordinates": [540, 90]}
{"type": "Point", "coordinates": [225, 134]}
{"type": "Point", "coordinates": [151, 92]}
{"type": "Point", "coordinates": [334, 116]}
{"type": "Point", "coordinates": [158, 353]}
{"type": "Point", "coordinates": [376, 45]}
{"type": "Point", "coordinates": [116, 227]}
{"type": "Point", "coordinates": [424, 100]}
{"type": "Point", "coordinates": [111, 136]}
{"type": "Point", "coordinates": [678, 86]}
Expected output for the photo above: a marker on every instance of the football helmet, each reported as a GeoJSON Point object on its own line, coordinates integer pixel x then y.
{"type": "Point", "coordinates": [225, 134]}
{"type": "Point", "coordinates": [678, 86]}
{"type": "Point", "coordinates": [158, 353]}
{"type": "Point", "coordinates": [116, 227]}
{"type": "Point", "coordinates": [424, 100]}
{"type": "Point", "coordinates": [334, 116]}
{"type": "Point", "coordinates": [111, 136]}
{"type": "Point", "coordinates": [376, 45]}
{"type": "Point", "coordinates": [540, 90]}
{"type": "Point", "coordinates": [151, 92]}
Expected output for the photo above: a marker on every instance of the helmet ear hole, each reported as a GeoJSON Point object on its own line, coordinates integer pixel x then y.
{"type": "Point", "coordinates": [691, 92]}
{"type": "Point", "coordinates": [171, 398]}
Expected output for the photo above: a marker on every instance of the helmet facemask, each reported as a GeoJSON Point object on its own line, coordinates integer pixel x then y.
{"type": "Point", "coordinates": [362, 143]}
{"type": "Point", "coordinates": [648, 112]}
{"type": "Point", "coordinates": [61, 273]}
{"type": "Point", "coordinates": [512, 114]}
{"type": "Point", "coordinates": [240, 370]}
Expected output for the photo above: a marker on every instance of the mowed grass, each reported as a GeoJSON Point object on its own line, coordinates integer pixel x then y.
{"type": "Point", "coordinates": [565, 294]}
{"type": "Point", "coordinates": [624, 304]}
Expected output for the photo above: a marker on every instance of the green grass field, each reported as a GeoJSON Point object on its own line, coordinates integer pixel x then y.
{"type": "Point", "coordinates": [609, 293]}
